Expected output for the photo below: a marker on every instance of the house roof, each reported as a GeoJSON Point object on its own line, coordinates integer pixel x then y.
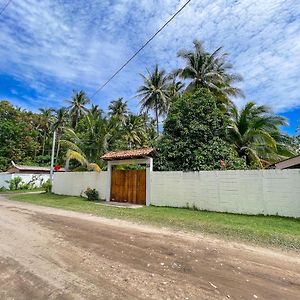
{"type": "Point", "coordinates": [127, 154]}
{"type": "Point", "coordinates": [30, 168]}
{"type": "Point", "coordinates": [288, 163]}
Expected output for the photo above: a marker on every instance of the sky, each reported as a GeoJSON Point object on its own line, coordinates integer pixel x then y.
{"type": "Point", "coordinates": [50, 48]}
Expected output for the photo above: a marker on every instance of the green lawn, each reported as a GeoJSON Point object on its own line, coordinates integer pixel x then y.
{"type": "Point", "coordinates": [22, 191]}
{"type": "Point", "coordinates": [275, 231]}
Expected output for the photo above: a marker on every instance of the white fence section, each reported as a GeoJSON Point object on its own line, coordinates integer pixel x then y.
{"type": "Point", "coordinates": [36, 179]}
{"type": "Point", "coordinates": [76, 183]}
{"type": "Point", "coordinates": [268, 192]}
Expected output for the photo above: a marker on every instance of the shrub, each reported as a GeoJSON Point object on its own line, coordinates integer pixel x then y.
{"type": "Point", "coordinates": [15, 183]}
{"type": "Point", "coordinates": [92, 194]}
{"type": "Point", "coordinates": [3, 189]}
{"type": "Point", "coordinates": [47, 186]}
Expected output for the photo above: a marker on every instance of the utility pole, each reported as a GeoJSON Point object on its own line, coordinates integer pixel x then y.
{"type": "Point", "coordinates": [52, 157]}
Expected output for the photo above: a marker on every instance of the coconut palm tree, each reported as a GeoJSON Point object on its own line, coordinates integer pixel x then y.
{"type": "Point", "coordinates": [255, 134]}
{"type": "Point", "coordinates": [45, 122]}
{"type": "Point", "coordinates": [77, 106]}
{"type": "Point", "coordinates": [175, 87]}
{"type": "Point", "coordinates": [118, 110]}
{"type": "Point", "coordinates": [96, 111]}
{"type": "Point", "coordinates": [61, 120]}
{"type": "Point", "coordinates": [210, 70]}
{"type": "Point", "coordinates": [90, 146]}
{"type": "Point", "coordinates": [154, 93]}
{"type": "Point", "coordinates": [133, 131]}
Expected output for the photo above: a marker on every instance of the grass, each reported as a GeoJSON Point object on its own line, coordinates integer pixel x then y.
{"type": "Point", "coordinates": [264, 230]}
{"type": "Point", "coordinates": [21, 191]}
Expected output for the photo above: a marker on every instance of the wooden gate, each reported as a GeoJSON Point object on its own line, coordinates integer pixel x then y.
{"type": "Point", "coordinates": [128, 186]}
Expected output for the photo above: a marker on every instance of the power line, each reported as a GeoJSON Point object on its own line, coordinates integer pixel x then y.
{"type": "Point", "coordinates": [138, 51]}
{"type": "Point", "coordinates": [4, 7]}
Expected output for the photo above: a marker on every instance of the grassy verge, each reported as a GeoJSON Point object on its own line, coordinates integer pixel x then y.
{"type": "Point", "coordinates": [275, 231]}
{"type": "Point", "coordinates": [22, 191]}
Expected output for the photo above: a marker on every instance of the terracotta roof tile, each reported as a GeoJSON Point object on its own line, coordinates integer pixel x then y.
{"type": "Point", "coordinates": [137, 153]}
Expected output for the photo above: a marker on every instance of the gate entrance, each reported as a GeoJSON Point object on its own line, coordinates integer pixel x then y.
{"type": "Point", "coordinates": [132, 186]}
{"type": "Point", "coordinates": [128, 186]}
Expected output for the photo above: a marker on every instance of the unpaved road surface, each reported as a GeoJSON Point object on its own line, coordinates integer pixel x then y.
{"type": "Point", "coordinates": [47, 253]}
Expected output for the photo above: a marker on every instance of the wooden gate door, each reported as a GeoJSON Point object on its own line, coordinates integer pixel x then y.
{"type": "Point", "coordinates": [128, 186]}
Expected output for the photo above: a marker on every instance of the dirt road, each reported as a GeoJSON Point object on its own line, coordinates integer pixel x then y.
{"type": "Point", "coordinates": [47, 253]}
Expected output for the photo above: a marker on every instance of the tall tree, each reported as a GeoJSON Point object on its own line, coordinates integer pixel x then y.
{"type": "Point", "coordinates": [118, 110]}
{"type": "Point", "coordinates": [194, 136]}
{"type": "Point", "coordinates": [45, 123]}
{"type": "Point", "coordinates": [133, 131]}
{"type": "Point", "coordinates": [154, 93]}
{"type": "Point", "coordinates": [254, 131]}
{"type": "Point", "coordinates": [19, 135]}
{"type": "Point", "coordinates": [77, 106]}
{"type": "Point", "coordinates": [209, 70]}
{"type": "Point", "coordinates": [61, 120]}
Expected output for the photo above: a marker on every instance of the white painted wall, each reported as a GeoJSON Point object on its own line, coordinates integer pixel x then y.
{"type": "Point", "coordinates": [268, 192]}
{"type": "Point", "coordinates": [75, 183]}
{"type": "Point", "coordinates": [38, 178]}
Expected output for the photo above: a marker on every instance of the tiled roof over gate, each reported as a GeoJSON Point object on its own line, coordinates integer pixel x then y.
{"type": "Point", "coordinates": [127, 154]}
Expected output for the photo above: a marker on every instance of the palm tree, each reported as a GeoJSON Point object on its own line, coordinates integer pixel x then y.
{"type": "Point", "coordinates": [61, 119]}
{"type": "Point", "coordinates": [175, 87]}
{"type": "Point", "coordinates": [96, 111]}
{"type": "Point", "coordinates": [154, 93]}
{"type": "Point", "coordinates": [77, 107]}
{"type": "Point", "coordinates": [91, 145]}
{"type": "Point", "coordinates": [133, 132]}
{"type": "Point", "coordinates": [118, 110]}
{"type": "Point", "coordinates": [255, 134]}
{"type": "Point", "coordinates": [209, 70]}
{"type": "Point", "coordinates": [45, 122]}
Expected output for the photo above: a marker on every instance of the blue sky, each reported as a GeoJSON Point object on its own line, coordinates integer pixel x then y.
{"type": "Point", "coordinates": [51, 47]}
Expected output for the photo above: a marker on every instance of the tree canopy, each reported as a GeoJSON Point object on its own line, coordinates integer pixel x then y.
{"type": "Point", "coordinates": [194, 136]}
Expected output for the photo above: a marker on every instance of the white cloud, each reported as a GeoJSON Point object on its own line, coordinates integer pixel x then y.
{"type": "Point", "coordinates": [55, 46]}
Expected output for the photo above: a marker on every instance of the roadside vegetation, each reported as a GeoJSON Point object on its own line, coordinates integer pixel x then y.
{"type": "Point", "coordinates": [262, 230]}
{"type": "Point", "coordinates": [187, 114]}
{"type": "Point", "coordinates": [17, 185]}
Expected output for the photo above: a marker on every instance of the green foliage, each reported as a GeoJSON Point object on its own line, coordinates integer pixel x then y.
{"type": "Point", "coordinates": [194, 136]}
{"type": "Point", "coordinates": [47, 186]}
{"type": "Point", "coordinates": [92, 194]}
{"type": "Point", "coordinates": [255, 133]}
{"type": "Point", "coordinates": [19, 136]}
{"type": "Point", "coordinates": [209, 70]}
{"type": "Point", "coordinates": [15, 183]}
{"type": "Point", "coordinates": [3, 189]}
{"type": "Point", "coordinates": [155, 93]}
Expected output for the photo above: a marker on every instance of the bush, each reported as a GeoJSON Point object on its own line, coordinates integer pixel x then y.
{"type": "Point", "coordinates": [92, 194]}
{"type": "Point", "coordinates": [15, 183]}
{"type": "Point", "coordinates": [47, 186]}
{"type": "Point", "coordinates": [3, 189]}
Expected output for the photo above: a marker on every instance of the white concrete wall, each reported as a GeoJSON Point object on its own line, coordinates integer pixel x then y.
{"type": "Point", "coordinates": [38, 178]}
{"type": "Point", "coordinates": [268, 192]}
{"type": "Point", "coordinates": [75, 183]}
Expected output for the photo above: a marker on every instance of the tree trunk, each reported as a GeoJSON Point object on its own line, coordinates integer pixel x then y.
{"type": "Point", "coordinates": [58, 146]}
{"type": "Point", "coordinates": [44, 143]}
{"type": "Point", "coordinates": [156, 117]}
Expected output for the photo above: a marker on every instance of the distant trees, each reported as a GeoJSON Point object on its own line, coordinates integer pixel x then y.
{"type": "Point", "coordinates": [203, 129]}
{"type": "Point", "coordinates": [19, 135]}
